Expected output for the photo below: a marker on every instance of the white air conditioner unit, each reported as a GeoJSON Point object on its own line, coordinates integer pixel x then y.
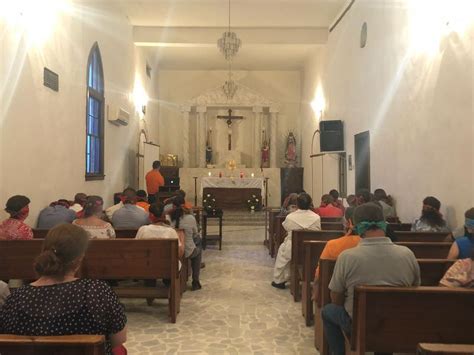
{"type": "Point", "coordinates": [117, 116]}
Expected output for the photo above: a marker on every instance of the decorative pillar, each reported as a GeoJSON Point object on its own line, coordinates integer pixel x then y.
{"type": "Point", "coordinates": [257, 127]}
{"type": "Point", "coordinates": [273, 136]}
{"type": "Point", "coordinates": [185, 111]}
{"type": "Point", "coordinates": [201, 141]}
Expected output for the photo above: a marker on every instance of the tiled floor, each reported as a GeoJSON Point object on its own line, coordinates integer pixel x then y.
{"type": "Point", "coordinates": [236, 312]}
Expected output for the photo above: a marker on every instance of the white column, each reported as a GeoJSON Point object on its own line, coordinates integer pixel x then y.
{"type": "Point", "coordinates": [257, 127]}
{"type": "Point", "coordinates": [273, 137]}
{"type": "Point", "coordinates": [201, 141]}
{"type": "Point", "coordinates": [185, 110]}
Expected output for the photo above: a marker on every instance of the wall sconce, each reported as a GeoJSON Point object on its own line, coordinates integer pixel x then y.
{"type": "Point", "coordinates": [144, 109]}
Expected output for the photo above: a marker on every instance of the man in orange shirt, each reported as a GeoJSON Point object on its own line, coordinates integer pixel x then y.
{"type": "Point", "coordinates": [154, 180]}
{"type": "Point", "coordinates": [335, 247]}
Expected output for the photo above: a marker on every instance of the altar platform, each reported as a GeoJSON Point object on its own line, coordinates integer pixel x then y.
{"type": "Point", "coordinates": [235, 189]}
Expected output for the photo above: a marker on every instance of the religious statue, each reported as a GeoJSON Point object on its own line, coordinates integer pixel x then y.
{"type": "Point", "coordinates": [290, 153]}
{"type": "Point", "coordinates": [209, 147]}
{"type": "Point", "coordinates": [265, 162]}
{"type": "Point", "coordinates": [229, 118]}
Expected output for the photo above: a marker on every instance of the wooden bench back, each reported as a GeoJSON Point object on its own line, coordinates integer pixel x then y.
{"type": "Point", "coordinates": [40, 233]}
{"type": "Point", "coordinates": [403, 236]}
{"type": "Point", "coordinates": [431, 272]}
{"type": "Point", "coordinates": [332, 226]}
{"type": "Point", "coordinates": [396, 319]}
{"type": "Point", "coordinates": [105, 259]}
{"type": "Point", "coordinates": [433, 250]}
{"type": "Point", "coordinates": [312, 250]}
{"type": "Point", "coordinates": [125, 233]}
{"type": "Point", "coordinates": [332, 219]}
{"type": "Point", "coordinates": [299, 236]}
{"type": "Point", "coordinates": [52, 345]}
{"type": "Point", "coordinates": [131, 259]}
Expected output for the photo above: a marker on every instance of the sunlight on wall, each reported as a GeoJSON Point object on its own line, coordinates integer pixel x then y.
{"type": "Point", "coordinates": [319, 103]}
{"type": "Point", "coordinates": [432, 20]}
{"type": "Point", "coordinates": [34, 19]}
{"type": "Point", "coordinates": [139, 96]}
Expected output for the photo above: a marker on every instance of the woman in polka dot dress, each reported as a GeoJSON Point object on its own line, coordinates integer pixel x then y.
{"type": "Point", "coordinates": [58, 303]}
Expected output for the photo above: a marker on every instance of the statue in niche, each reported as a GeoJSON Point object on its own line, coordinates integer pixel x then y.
{"type": "Point", "coordinates": [209, 147]}
{"type": "Point", "coordinates": [265, 162]}
{"type": "Point", "coordinates": [290, 153]}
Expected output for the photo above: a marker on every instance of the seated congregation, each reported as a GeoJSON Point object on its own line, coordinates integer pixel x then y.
{"type": "Point", "coordinates": [374, 250]}
{"type": "Point", "coordinates": [69, 304]}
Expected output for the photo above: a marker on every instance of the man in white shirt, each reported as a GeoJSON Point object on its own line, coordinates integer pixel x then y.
{"type": "Point", "coordinates": [302, 218]}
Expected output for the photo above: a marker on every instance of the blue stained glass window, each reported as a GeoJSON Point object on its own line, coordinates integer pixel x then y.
{"type": "Point", "coordinates": [95, 116]}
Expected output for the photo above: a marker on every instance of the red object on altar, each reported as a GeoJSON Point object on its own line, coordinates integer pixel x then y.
{"type": "Point", "coordinates": [241, 174]}
{"type": "Point", "coordinates": [220, 174]}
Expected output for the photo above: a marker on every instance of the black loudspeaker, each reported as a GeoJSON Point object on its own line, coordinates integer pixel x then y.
{"type": "Point", "coordinates": [332, 136]}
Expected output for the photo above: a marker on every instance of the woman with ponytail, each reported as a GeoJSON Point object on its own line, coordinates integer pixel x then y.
{"type": "Point", "coordinates": [59, 303]}
{"type": "Point", "coordinates": [181, 218]}
{"type": "Point", "coordinates": [92, 222]}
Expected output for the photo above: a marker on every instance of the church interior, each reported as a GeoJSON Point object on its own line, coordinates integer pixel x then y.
{"type": "Point", "coordinates": [243, 102]}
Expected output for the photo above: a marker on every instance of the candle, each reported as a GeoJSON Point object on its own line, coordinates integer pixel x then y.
{"type": "Point", "coordinates": [241, 174]}
{"type": "Point", "coordinates": [220, 174]}
{"type": "Point", "coordinates": [209, 173]}
{"type": "Point", "coordinates": [252, 175]}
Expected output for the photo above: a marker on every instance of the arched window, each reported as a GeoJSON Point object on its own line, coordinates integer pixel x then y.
{"type": "Point", "coordinates": [95, 116]}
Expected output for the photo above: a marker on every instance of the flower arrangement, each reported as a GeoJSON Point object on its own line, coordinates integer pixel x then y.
{"type": "Point", "coordinates": [254, 203]}
{"type": "Point", "coordinates": [209, 203]}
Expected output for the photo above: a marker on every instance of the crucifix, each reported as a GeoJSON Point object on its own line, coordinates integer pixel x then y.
{"type": "Point", "coordinates": [229, 119]}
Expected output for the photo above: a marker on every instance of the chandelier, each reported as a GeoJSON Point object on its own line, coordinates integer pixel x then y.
{"type": "Point", "coordinates": [229, 87]}
{"type": "Point", "coordinates": [229, 44]}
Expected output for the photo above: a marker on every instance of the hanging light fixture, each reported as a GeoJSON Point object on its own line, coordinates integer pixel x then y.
{"type": "Point", "coordinates": [229, 44]}
{"type": "Point", "coordinates": [230, 87]}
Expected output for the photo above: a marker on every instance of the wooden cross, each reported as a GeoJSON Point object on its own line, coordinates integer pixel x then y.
{"type": "Point", "coordinates": [229, 119]}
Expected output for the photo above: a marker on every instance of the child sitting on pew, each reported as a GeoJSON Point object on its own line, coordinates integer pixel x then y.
{"type": "Point", "coordinates": [461, 248]}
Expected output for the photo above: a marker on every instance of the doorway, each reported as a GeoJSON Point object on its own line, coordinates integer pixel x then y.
{"type": "Point", "coordinates": [362, 160]}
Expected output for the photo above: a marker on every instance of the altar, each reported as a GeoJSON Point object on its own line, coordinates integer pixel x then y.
{"type": "Point", "coordinates": [233, 192]}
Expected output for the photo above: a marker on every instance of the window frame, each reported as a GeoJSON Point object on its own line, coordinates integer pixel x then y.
{"type": "Point", "coordinates": [100, 97]}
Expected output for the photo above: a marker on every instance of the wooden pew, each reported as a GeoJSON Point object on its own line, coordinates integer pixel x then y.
{"type": "Point", "coordinates": [125, 233]}
{"type": "Point", "coordinates": [108, 259]}
{"type": "Point", "coordinates": [431, 272]}
{"type": "Point", "coordinates": [404, 236]}
{"type": "Point", "coordinates": [271, 214]}
{"type": "Point", "coordinates": [48, 345]}
{"type": "Point", "coordinates": [312, 250]}
{"type": "Point", "coordinates": [444, 349]}
{"type": "Point", "coordinates": [296, 263]}
{"type": "Point", "coordinates": [433, 250]}
{"type": "Point", "coordinates": [396, 319]}
{"type": "Point", "coordinates": [332, 219]}
{"type": "Point", "coordinates": [332, 226]}
{"type": "Point", "coordinates": [279, 234]}
{"type": "Point", "coordinates": [40, 233]}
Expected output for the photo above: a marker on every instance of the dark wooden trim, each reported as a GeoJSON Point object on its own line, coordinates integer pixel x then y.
{"type": "Point", "coordinates": [94, 177]}
{"type": "Point", "coordinates": [339, 19]}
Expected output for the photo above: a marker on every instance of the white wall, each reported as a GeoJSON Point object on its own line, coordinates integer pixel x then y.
{"type": "Point", "coordinates": [417, 104]}
{"type": "Point", "coordinates": [176, 87]}
{"type": "Point", "coordinates": [42, 142]}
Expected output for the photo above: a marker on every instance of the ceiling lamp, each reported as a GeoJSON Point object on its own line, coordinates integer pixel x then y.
{"type": "Point", "coordinates": [229, 44]}
{"type": "Point", "coordinates": [229, 87]}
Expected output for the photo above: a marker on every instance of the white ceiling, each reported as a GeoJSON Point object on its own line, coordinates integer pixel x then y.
{"type": "Point", "coordinates": [276, 34]}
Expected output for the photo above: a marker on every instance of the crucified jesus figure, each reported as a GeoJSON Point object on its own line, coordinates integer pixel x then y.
{"type": "Point", "coordinates": [229, 119]}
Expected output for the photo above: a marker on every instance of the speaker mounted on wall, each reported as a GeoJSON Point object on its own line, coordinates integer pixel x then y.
{"type": "Point", "coordinates": [332, 136]}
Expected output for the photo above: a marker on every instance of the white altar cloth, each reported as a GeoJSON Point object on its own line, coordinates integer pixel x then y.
{"type": "Point", "coordinates": [235, 183]}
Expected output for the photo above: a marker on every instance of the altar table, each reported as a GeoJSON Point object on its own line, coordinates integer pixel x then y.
{"type": "Point", "coordinates": [232, 193]}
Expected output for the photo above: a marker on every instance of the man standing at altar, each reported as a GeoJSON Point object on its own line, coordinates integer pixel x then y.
{"type": "Point", "coordinates": [302, 218]}
{"type": "Point", "coordinates": [154, 180]}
